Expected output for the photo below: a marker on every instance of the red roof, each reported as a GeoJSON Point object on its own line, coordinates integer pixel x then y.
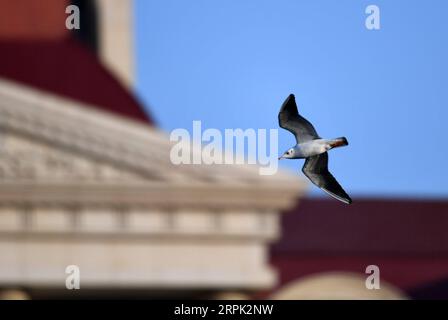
{"type": "Point", "coordinates": [407, 239]}
{"type": "Point", "coordinates": [69, 69]}
{"type": "Point", "coordinates": [398, 227]}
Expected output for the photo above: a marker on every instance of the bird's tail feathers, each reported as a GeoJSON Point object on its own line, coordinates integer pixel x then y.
{"type": "Point", "coordinates": [339, 142]}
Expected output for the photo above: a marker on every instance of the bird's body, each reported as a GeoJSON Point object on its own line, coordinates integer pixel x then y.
{"type": "Point", "coordinates": [313, 148]}
{"type": "Point", "coordinates": [310, 148]}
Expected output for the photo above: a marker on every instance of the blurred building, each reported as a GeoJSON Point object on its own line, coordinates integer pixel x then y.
{"type": "Point", "coordinates": [86, 180]}
{"type": "Point", "coordinates": [327, 246]}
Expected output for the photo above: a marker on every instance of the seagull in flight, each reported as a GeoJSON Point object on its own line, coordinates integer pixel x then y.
{"type": "Point", "coordinates": [313, 148]}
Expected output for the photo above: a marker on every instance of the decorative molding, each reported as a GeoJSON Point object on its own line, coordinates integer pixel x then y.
{"type": "Point", "coordinates": [24, 159]}
{"type": "Point", "coordinates": [134, 221]}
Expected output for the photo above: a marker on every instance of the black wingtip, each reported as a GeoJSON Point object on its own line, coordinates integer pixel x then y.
{"type": "Point", "coordinates": [345, 200]}
{"type": "Point", "coordinates": [291, 96]}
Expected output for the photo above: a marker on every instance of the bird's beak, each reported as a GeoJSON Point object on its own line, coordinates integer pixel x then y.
{"type": "Point", "coordinates": [280, 158]}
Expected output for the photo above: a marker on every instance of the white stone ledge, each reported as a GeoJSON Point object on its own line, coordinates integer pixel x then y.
{"type": "Point", "coordinates": [174, 264]}
{"type": "Point", "coordinates": [59, 221]}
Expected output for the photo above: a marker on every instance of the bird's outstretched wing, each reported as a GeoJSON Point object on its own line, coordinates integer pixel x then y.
{"type": "Point", "coordinates": [289, 119]}
{"type": "Point", "coordinates": [316, 169]}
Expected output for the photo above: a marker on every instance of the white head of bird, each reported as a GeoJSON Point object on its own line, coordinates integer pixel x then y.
{"type": "Point", "coordinates": [289, 154]}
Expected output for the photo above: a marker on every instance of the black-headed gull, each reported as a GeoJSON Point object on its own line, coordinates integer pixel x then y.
{"type": "Point", "coordinates": [312, 148]}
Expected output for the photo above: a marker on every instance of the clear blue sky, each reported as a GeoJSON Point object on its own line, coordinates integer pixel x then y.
{"type": "Point", "coordinates": [232, 63]}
